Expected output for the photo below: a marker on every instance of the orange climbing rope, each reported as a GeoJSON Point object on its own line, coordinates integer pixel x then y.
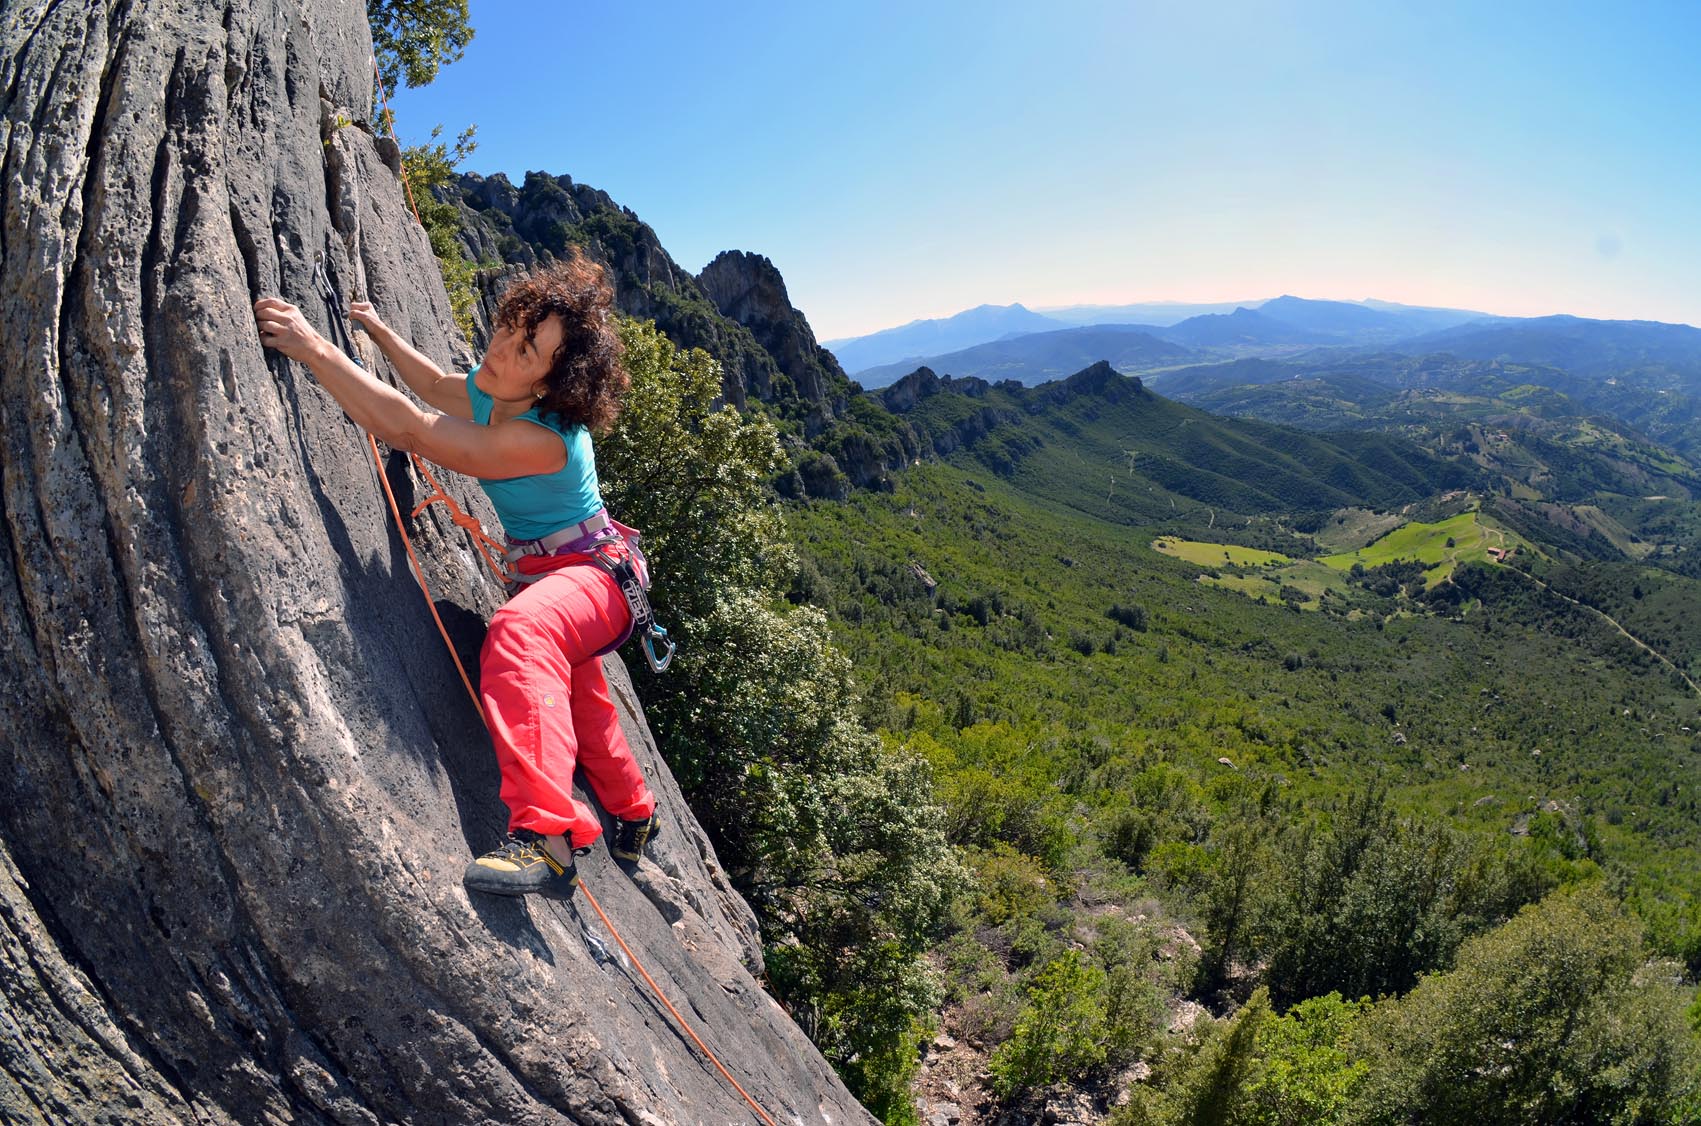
{"type": "Point", "coordinates": [419, 572]}
{"type": "Point", "coordinates": [495, 555]}
{"type": "Point", "coordinates": [492, 552]}
{"type": "Point", "coordinates": [390, 117]}
{"type": "Point", "coordinates": [662, 997]}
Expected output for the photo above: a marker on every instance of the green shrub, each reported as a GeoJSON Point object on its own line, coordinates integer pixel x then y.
{"type": "Point", "coordinates": [430, 167]}
{"type": "Point", "coordinates": [1552, 1017]}
{"type": "Point", "coordinates": [1061, 1031]}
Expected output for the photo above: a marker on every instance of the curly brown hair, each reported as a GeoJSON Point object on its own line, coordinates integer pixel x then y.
{"type": "Point", "coordinates": [586, 378]}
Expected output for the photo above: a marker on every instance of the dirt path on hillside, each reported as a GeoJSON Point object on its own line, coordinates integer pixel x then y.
{"type": "Point", "coordinates": [1610, 620]}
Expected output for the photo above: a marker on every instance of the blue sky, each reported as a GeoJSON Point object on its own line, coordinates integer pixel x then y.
{"type": "Point", "coordinates": [905, 160]}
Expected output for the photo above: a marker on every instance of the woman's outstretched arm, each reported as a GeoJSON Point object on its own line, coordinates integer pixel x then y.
{"type": "Point", "coordinates": [510, 449]}
{"type": "Point", "coordinates": [448, 393]}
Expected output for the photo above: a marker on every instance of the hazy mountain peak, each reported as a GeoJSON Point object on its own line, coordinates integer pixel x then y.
{"type": "Point", "coordinates": [940, 335]}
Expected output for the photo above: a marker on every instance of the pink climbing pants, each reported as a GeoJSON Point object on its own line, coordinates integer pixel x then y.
{"type": "Point", "coordinates": [548, 705]}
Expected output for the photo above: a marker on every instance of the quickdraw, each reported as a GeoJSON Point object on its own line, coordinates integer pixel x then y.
{"type": "Point", "coordinates": [328, 294]}
{"type": "Point", "coordinates": [619, 565]}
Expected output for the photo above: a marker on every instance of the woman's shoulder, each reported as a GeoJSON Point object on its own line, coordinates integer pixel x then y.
{"type": "Point", "coordinates": [573, 435]}
{"type": "Point", "coordinates": [480, 402]}
{"type": "Point", "coordinates": [565, 427]}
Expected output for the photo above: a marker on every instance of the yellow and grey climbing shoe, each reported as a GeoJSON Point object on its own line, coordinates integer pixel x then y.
{"type": "Point", "coordinates": [522, 866]}
{"type": "Point", "coordinates": [631, 836]}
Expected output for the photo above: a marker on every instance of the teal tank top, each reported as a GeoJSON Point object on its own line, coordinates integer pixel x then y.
{"type": "Point", "coordinates": [535, 506]}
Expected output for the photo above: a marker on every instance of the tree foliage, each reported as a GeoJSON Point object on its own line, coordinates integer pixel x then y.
{"type": "Point", "coordinates": [1207, 1086]}
{"type": "Point", "coordinates": [413, 39]}
{"type": "Point", "coordinates": [1365, 900]}
{"type": "Point", "coordinates": [1551, 1018]}
{"type": "Point", "coordinates": [835, 840]}
{"type": "Point", "coordinates": [429, 167]}
{"type": "Point", "coordinates": [1061, 1029]}
{"type": "Point", "coordinates": [1306, 1073]}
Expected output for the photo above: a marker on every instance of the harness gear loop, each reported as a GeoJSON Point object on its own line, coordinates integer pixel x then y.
{"type": "Point", "coordinates": [619, 565]}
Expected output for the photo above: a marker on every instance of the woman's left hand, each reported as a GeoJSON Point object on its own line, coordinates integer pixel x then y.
{"type": "Point", "coordinates": [283, 328]}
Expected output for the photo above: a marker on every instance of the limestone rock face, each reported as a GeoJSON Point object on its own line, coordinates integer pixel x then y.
{"type": "Point", "coordinates": [239, 777]}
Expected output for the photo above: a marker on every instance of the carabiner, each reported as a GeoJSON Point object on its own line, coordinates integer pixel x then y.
{"type": "Point", "coordinates": [327, 294]}
{"type": "Point", "coordinates": [653, 634]}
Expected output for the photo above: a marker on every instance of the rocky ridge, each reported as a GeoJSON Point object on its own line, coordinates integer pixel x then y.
{"type": "Point", "coordinates": [508, 231]}
{"type": "Point", "coordinates": [240, 776]}
{"type": "Point", "coordinates": [747, 289]}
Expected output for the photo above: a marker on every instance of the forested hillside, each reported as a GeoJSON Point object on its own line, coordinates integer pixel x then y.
{"type": "Point", "coordinates": [1330, 806]}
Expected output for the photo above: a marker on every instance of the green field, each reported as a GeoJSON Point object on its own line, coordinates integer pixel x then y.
{"type": "Point", "coordinates": [1265, 575]}
{"type": "Point", "coordinates": [1304, 575]}
{"type": "Point", "coordinates": [1218, 554]}
{"type": "Point", "coordinates": [1442, 547]}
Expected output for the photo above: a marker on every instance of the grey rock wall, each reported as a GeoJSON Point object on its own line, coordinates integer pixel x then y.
{"type": "Point", "coordinates": [238, 774]}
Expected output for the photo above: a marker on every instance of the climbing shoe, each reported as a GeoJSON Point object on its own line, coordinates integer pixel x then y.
{"type": "Point", "coordinates": [522, 866]}
{"type": "Point", "coordinates": [631, 836]}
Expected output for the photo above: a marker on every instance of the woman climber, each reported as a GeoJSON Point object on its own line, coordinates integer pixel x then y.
{"type": "Point", "coordinates": [521, 422]}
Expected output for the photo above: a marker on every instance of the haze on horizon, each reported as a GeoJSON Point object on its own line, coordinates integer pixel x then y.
{"type": "Point", "coordinates": [902, 162]}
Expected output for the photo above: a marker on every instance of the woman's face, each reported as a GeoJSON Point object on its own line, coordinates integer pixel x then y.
{"type": "Point", "coordinates": [514, 367]}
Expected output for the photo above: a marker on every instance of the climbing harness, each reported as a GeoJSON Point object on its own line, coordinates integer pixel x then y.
{"type": "Point", "coordinates": [601, 539]}
{"type": "Point", "coordinates": [621, 567]}
{"type": "Point", "coordinates": [615, 548]}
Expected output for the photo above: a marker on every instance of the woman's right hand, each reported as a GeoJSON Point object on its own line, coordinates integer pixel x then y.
{"type": "Point", "coordinates": [363, 314]}
{"type": "Point", "coordinates": [283, 328]}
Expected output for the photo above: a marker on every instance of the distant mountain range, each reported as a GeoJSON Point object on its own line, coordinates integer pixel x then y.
{"type": "Point", "coordinates": [1662, 356]}
{"type": "Point", "coordinates": [1559, 408]}
{"type": "Point", "coordinates": [1043, 356]}
{"type": "Point", "coordinates": [1160, 313]}
{"type": "Point", "coordinates": [1281, 325]}
{"type": "Point", "coordinates": [1392, 391]}
{"type": "Point", "coordinates": [939, 336]}
{"type": "Point", "coordinates": [1579, 345]}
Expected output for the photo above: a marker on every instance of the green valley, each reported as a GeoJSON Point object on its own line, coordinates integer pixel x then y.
{"type": "Point", "coordinates": [1121, 746]}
